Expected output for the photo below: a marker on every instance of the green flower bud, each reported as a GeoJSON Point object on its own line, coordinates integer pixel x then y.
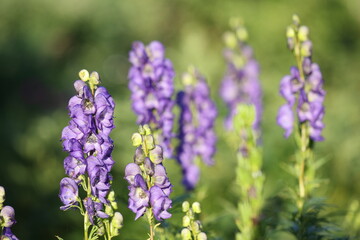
{"type": "Point", "coordinates": [242, 34]}
{"type": "Point", "coordinates": [290, 32]}
{"type": "Point", "coordinates": [185, 206]}
{"type": "Point", "coordinates": [84, 75]}
{"type": "Point", "coordinates": [139, 156]}
{"type": "Point", "coordinates": [149, 142]}
{"type": "Point", "coordinates": [296, 19]}
{"type": "Point", "coordinates": [117, 220]}
{"type": "Point", "coordinates": [136, 139]}
{"type": "Point", "coordinates": [141, 130]}
{"type": "Point", "coordinates": [156, 155]}
{"type": "Point", "coordinates": [303, 33]}
{"type": "Point", "coordinates": [196, 226]}
{"type": "Point", "coordinates": [147, 129]}
{"type": "Point", "coordinates": [111, 196]}
{"type": "Point", "coordinates": [202, 236]}
{"type": "Point", "coordinates": [196, 207]}
{"type": "Point", "coordinates": [101, 229]}
{"type": "Point", "coordinates": [187, 79]}
{"type": "Point", "coordinates": [230, 40]}
{"type": "Point", "coordinates": [108, 210]}
{"type": "Point", "coordinates": [94, 78]}
{"type": "Point", "coordinates": [239, 61]}
{"type": "Point", "coordinates": [2, 195]}
{"type": "Point", "coordinates": [185, 234]}
{"type": "Point", "coordinates": [186, 221]}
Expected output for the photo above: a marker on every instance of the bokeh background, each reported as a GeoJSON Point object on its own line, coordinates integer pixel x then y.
{"type": "Point", "coordinates": [44, 44]}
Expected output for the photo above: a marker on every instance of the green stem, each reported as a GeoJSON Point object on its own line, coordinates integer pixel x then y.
{"type": "Point", "coordinates": [86, 216]}
{"type": "Point", "coordinates": [150, 218]}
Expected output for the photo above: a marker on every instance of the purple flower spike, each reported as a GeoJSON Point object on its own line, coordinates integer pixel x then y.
{"type": "Point", "coordinates": [160, 203]}
{"type": "Point", "coordinates": [68, 193]}
{"type": "Point", "coordinates": [240, 83]}
{"type": "Point", "coordinates": [151, 83]}
{"type": "Point", "coordinates": [196, 125]}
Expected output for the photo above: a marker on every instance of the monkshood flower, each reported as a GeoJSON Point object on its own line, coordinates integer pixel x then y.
{"type": "Point", "coordinates": [89, 163]}
{"type": "Point", "coordinates": [149, 185]}
{"type": "Point", "coordinates": [7, 218]}
{"type": "Point", "coordinates": [241, 81]}
{"type": "Point", "coordinates": [196, 126]}
{"type": "Point", "coordinates": [151, 83]}
{"type": "Point", "coordinates": [303, 88]}
{"type": "Point", "coordinates": [192, 228]}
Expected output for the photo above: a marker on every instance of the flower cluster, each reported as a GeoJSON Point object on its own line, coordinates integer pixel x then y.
{"type": "Point", "coordinates": [196, 126]}
{"type": "Point", "coordinates": [148, 182]}
{"type": "Point", "coordinates": [151, 83]}
{"type": "Point", "coordinates": [303, 88]}
{"type": "Point", "coordinates": [241, 81]}
{"type": "Point", "coordinates": [87, 141]}
{"type": "Point", "coordinates": [7, 218]}
{"type": "Point", "coordinates": [192, 228]}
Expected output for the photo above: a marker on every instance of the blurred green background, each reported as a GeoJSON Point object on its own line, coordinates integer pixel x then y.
{"type": "Point", "coordinates": [44, 44]}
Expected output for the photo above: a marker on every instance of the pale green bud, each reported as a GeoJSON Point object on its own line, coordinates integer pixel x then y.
{"type": "Point", "coordinates": [141, 130]}
{"type": "Point", "coordinates": [196, 226]}
{"type": "Point", "coordinates": [187, 79]}
{"type": "Point", "coordinates": [101, 230]}
{"type": "Point", "coordinates": [5, 238]}
{"type": "Point", "coordinates": [185, 206]}
{"type": "Point", "coordinates": [186, 221]}
{"type": "Point", "coordinates": [84, 75]}
{"type": "Point", "coordinates": [111, 196]}
{"type": "Point", "coordinates": [242, 33]}
{"type": "Point", "coordinates": [149, 141]}
{"type": "Point", "coordinates": [156, 155]}
{"type": "Point", "coordinates": [290, 32]}
{"type": "Point", "coordinates": [239, 61]}
{"type": "Point", "coordinates": [196, 207]}
{"type": "Point", "coordinates": [147, 129]}
{"type": "Point", "coordinates": [108, 210]}
{"type": "Point", "coordinates": [94, 78]}
{"type": "Point", "coordinates": [202, 236]}
{"type": "Point", "coordinates": [136, 139]}
{"type": "Point", "coordinates": [296, 19]}
{"type": "Point", "coordinates": [230, 40]}
{"type": "Point", "coordinates": [2, 194]}
{"type": "Point", "coordinates": [185, 234]}
{"type": "Point", "coordinates": [303, 33]}
{"type": "Point", "coordinates": [117, 220]}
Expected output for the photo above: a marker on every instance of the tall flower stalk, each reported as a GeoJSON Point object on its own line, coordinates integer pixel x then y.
{"type": "Point", "coordinates": [151, 83]}
{"type": "Point", "coordinates": [240, 83]}
{"type": "Point", "coordinates": [89, 163]}
{"type": "Point", "coordinates": [7, 218]}
{"type": "Point", "coordinates": [303, 111]}
{"type": "Point", "coordinates": [196, 126]}
{"type": "Point", "coordinates": [149, 185]}
{"type": "Point", "coordinates": [249, 176]}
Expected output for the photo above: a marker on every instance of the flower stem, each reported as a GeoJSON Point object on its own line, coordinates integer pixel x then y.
{"type": "Point", "coordinates": [150, 218]}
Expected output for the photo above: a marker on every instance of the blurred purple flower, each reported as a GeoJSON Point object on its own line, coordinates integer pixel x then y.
{"type": "Point", "coordinates": [160, 203]}
{"type": "Point", "coordinates": [151, 83]}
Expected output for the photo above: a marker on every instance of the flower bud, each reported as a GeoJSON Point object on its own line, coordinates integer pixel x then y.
{"type": "Point", "coordinates": [187, 79]}
{"type": "Point", "coordinates": [306, 48]}
{"type": "Point", "coordinates": [202, 236]}
{"type": "Point", "coordinates": [94, 78]}
{"type": "Point", "coordinates": [303, 33]}
{"type": "Point", "coordinates": [141, 130]}
{"type": "Point", "coordinates": [136, 139]}
{"type": "Point", "coordinates": [290, 32]}
{"type": "Point", "coordinates": [196, 207]}
{"type": "Point", "coordinates": [116, 223]}
{"type": "Point", "coordinates": [185, 206]}
{"type": "Point", "coordinates": [149, 167]}
{"type": "Point", "coordinates": [185, 234]}
{"type": "Point", "coordinates": [5, 238]}
{"type": "Point", "coordinates": [84, 75]}
{"type": "Point", "coordinates": [149, 142]}
{"type": "Point", "coordinates": [108, 210]}
{"type": "Point", "coordinates": [242, 34]}
{"type": "Point", "coordinates": [156, 155]}
{"type": "Point", "coordinates": [2, 194]}
{"type": "Point", "coordinates": [196, 226]}
{"type": "Point", "coordinates": [296, 19]}
{"type": "Point", "coordinates": [8, 215]}
{"type": "Point", "coordinates": [139, 156]}
{"type": "Point", "coordinates": [186, 221]}
{"type": "Point", "coordinates": [101, 230]}
{"type": "Point", "coordinates": [230, 40]}
{"type": "Point", "coordinates": [147, 129]}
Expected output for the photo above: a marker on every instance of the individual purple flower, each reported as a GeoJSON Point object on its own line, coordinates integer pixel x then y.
{"type": "Point", "coordinates": [7, 218]}
{"type": "Point", "coordinates": [160, 203]}
{"type": "Point", "coordinates": [94, 209]}
{"type": "Point", "coordinates": [241, 81]}
{"type": "Point", "coordinates": [196, 126]}
{"type": "Point", "coordinates": [151, 83]}
{"type": "Point", "coordinates": [138, 196]}
{"type": "Point", "coordinates": [68, 193]}
{"type": "Point", "coordinates": [303, 88]}
{"type": "Point", "coordinates": [7, 213]}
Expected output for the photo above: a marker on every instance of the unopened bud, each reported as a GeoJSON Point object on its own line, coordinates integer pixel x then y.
{"type": "Point", "coordinates": [303, 33]}
{"type": "Point", "coordinates": [136, 139]}
{"type": "Point", "coordinates": [187, 79]}
{"type": "Point", "coordinates": [196, 207]}
{"type": "Point", "coordinates": [185, 206]}
{"type": "Point", "coordinates": [94, 78]}
{"type": "Point", "coordinates": [306, 48]}
{"type": "Point", "coordinates": [242, 34]}
{"type": "Point", "coordinates": [150, 142]}
{"type": "Point", "coordinates": [84, 75]}
{"type": "Point", "coordinates": [149, 167]}
{"type": "Point", "coordinates": [202, 236]}
{"type": "Point", "coordinates": [147, 129]}
{"type": "Point", "coordinates": [117, 220]}
{"type": "Point", "coordinates": [156, 155]}
{"type": "Point", "coordinates": [290, 32]}
{"type": "Point", "coordinates": [186, 221]}
{"type": "Point", "coordinates": [196, 226]}
{"type": "Point", "coordinates": [296, 19]}
{"type": "Point", "coordinates": [230, 40]}
{"type": "Point", "coordinates": [139, 156]}
{"type": "Point", "coordinates": [185, 234]}
{"type": "Point", "coordinates": [2, 194]}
